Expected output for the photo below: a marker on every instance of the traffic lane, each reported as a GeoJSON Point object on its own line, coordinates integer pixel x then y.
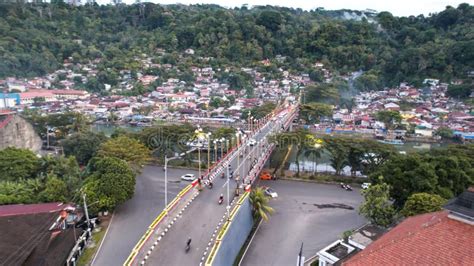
{"type": "Point", "coordinates": [132, 218]}
{"type": "Point", "coordinates": [198, 222]}
{"type": "Point", "coordinates": [315, 214]}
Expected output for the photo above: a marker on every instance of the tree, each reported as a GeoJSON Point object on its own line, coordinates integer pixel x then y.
{"type": "Point", "coordinates": [460, 91]}
{"type": "Point", "coordinates": [406, 175]}
{"type": "Point", "coordinates": [259, 202]}
{"type": "Point", "coordinates": [301, 140]}
{"type": "Point", "coordinates": [389, 118]}
{"type": "Point", "coordinates": [445, 132]}
{"type": "Point", "coordinates": [419, 203]}
{"type": "Point", "coordinates": [321, 93]}
{"type": "Point", "coordinates": [16, 164]}
{"type": "Point", "coordinates": [55, 190]}
{"type": "Point", "coordinates": [259, 111]}
{"type": "Point", "coordinates": [64, 168]}
{"type": "Point", "coordinates": [130, 150]}
{"type": "Point", "coordinates": [312, 112]}
{"type": "Point", "coordinates": [377, 207]}
{"type": "Point", "coordinates": [338, 151]}
{"type": "Point", "coordinates": [111, 183]}
{"type": "Point", "coordinates": [83, 146]}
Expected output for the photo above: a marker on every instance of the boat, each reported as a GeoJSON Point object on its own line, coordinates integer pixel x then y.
{"type": "Point", "coordinates": [392, 141]}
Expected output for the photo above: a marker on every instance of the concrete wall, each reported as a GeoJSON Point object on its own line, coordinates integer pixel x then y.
{"type": "Point", "coordinates": [236, 235]}
{"type": "Point", "coordinates": [20, 134]}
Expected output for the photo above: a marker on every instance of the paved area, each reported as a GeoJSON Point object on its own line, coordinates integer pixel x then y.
{"type": "Point", "coordinates": [315, 214]}
{"type": "Point", "coordinates": [132, 218]}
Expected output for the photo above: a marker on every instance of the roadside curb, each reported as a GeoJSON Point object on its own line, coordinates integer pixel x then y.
{"type": "Point", "coordinates": [313, 181]}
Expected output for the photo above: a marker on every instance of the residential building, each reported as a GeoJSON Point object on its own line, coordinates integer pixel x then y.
{"type": "Point", "coordinates": [37, 234]}
{"type": "Point", "coordinates": [438, 238]}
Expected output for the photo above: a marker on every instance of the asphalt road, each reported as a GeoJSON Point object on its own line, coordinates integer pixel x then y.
{"type": "Point", "coordinates": [315, 214]}
{"type": "Point", "coordinates": [200, 219]}
{"type": "Point", "coordinates": [132, 218]}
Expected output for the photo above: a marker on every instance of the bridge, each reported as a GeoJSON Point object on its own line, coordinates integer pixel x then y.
{"type": "Point", "coordinates": [195, 212]}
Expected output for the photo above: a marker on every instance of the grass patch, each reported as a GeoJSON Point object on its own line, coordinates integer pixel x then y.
{"type": "Point", "coordinates": [88, 254]}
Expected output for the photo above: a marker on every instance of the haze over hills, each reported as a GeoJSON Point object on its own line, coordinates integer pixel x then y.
{"type": "Point", "coordinates": [37, 38]}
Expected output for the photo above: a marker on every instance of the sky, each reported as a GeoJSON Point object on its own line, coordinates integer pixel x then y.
{"type": "Point", "coordinates": [397, 8]}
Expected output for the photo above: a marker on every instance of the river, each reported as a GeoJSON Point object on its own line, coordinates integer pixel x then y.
{"type": "Point", "coordinates": [322, 164]}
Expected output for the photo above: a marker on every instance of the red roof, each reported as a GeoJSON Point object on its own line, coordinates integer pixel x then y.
{"type": "Point", "coordinates": [426, 239]}
{"type": "Point", "coordinates": [21, 209]}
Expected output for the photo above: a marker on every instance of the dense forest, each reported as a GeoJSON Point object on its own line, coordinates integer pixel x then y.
{"type": "Point", "coordinates": [36, 38]}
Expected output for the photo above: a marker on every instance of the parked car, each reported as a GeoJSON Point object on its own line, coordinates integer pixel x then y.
{"type": "Point", "coordinates": [365, 185]}
{"type": "Point", "coordinates": [188, 177]}
{"type": "Point", "coordinates": [271, 193]}
{"type": "Point", "coordinates": [265, 175]}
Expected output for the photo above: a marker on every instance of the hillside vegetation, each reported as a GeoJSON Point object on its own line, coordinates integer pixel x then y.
{"type": "Point", "coordinates": [36, 38]}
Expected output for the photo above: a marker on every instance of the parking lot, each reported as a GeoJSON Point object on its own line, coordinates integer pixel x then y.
{"type": "Point", "coordinates": [315, 214]}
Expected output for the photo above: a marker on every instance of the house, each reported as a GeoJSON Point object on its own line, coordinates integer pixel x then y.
{"type": "Point", "coordinates": [37, 234]}
{"type": "Point", "coordinates": [337, 251]}
{"type": "Point", "coordinates": [392, 107]}
{"type": "Point", "coordinates": [437, 238]}
{"type": "Point", "coordinates": [30, 96]}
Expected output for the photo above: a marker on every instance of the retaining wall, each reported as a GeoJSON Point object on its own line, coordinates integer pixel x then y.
{"type": "Point", "coordinates": [234, 236]}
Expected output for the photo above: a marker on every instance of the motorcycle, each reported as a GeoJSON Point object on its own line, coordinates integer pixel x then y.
{"type": "Point", "coordinates": [210, 185]}
{"type": "Point", "coordinates": [223, 175]}
{"type": "Point", "coordinates": [188, 246]}
{"type": "Point", "coordinates": [221, 199]}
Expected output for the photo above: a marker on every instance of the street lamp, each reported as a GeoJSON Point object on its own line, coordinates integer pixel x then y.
{"type": "Point", "coordinates": [221, 142]}
{"type": "Point", "coordinates": [208, 152]}
{"type": "Point", "coordinates": [199, 132]}
{"type": "Point", "coordinates": [215, 150]}
{"type": "Point", "coordinates": [237, 135]}
{"type": "Point", "coordinates": [166, 174]}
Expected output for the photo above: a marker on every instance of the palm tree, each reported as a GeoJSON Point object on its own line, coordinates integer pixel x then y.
{"type": "Point", "coordinates": [259, 202]}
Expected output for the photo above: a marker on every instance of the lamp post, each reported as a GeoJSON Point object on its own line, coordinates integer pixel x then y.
{"type": "Point", "coordinates": [221, 142]}
{"type": "Point", "coordinates": [208, 152]}
{"type": "Point", "coordinates": [166, 175]}
{"type": "Point", "coordinates": [237, 135]}
{"type": "Point", "coordinates": [228, 195]}
{"type": "Point", "coordinates": [215, 150]}
{"type": "Point", "coordinates": [198, 132]}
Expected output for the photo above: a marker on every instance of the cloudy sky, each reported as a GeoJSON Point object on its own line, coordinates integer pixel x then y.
{"type": "Point", "coordinates": [398, 8]}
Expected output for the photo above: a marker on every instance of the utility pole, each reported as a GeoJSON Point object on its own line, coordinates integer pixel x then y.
{"type": "Point", "coordinates": [85, 210]}
{"type": "Point", "coordinates": [228, 197]}
{"type": "Point", "coordinates": [300, 256]}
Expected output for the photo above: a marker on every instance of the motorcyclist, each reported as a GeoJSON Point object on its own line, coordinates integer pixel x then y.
{"type": "Point", "coordinates": [221, 197]}
{"type": "Point", "coordinates": [211, 184]}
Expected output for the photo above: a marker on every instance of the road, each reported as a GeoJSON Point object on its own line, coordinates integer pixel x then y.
{"type": "Point", "coordinates": [132, 218]}
{"type": "Point", "coordinates": [304, 212]}
{"type": "Point", "coordinates": [200, 219]}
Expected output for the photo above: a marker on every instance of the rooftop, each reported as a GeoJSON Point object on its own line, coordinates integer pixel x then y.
{"type": "Point", "coordinates": [22, 209]}
{"type": "Point", "coordinates": [426, 239]}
